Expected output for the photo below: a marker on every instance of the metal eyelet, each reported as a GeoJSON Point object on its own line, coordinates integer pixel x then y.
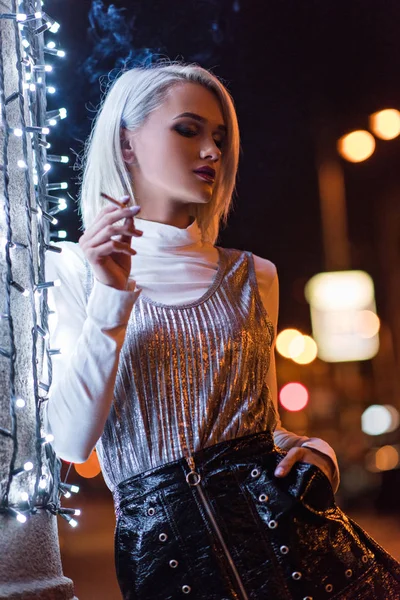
{"type": "Point", "coordinates": [364, 558]}
{"type": "Point", "coordinates": [272, 524]}
{"type": "Point", "coordinates": [329, 587]}
{"type": "Point", "coordinates": [163, 537]}
{"type": "Point", "coordinates": [284, 549]}
{"type": "Point", "coordinates": [151, 511]}
{"type": "Point", "coordinates": [173, 563]}
{"type": "Point", "coordinates": [186, 589]}
{"type": "Point", "coordinates": [263, 498]}
{"type": "Point", "coordinates": [193, 478]}
{"type": "Point", "coordinates": [296, 575]}
{"type": "Point", "coordinates": [255, 473]}
{"type": "Point", "coordinates": [348, 573]}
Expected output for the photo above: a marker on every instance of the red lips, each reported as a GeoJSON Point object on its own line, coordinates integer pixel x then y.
{"type": "Point", "coordinates": [206, 171]}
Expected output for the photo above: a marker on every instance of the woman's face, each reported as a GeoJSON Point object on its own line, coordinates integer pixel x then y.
{"type": "Point", "coordinates": [184, 134]}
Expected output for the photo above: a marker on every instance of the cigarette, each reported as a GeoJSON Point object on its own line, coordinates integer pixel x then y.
{"type": "Point", "coordinates": [113, 200]}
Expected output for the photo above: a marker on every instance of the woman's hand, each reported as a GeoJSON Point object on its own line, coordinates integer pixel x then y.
{"type": "Point", "coordinates": [107, 246]}
{"type": "Point", "coordinates": [307, 455]}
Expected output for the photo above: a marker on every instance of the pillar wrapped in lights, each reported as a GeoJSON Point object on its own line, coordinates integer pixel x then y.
{"type": "Point", "coordinates": [30, 486]}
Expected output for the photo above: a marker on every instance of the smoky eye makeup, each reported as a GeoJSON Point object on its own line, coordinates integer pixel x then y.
{"type": "Point", "coordinates": [190, 130]}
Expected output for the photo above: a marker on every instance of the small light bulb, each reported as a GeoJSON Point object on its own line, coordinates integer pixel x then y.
{"type": "Point", "coordinates": [48, 68]}
{"type": "Point", "coordinates": [61, 53]}
{"type": "Point", "coordinates": [67, 495]}
{"type": "Point", "coordinates": [25, 43]}
{"type": "Point", "coordinates": [32, 87]}
{"type": "Point", "coordinates": [77, 512]}
{"type": "Point", "coordinates": [65, 159]}
{"type": "Point", "coordinates": [49, 437]}
{"type": "Point", "coordinates": [52, 122]}
{"type": "Point", "coordinates": [64, 185]}
{"type": "Point", "coordinates": [51, 89]}
{"type": "Point", "coordinates": [57, 282]}
{"type": "Point", "coordinates": [18, 132]}
{"type": "Point", "coordinates": [46, 167]}
{"type": "Point", "coordinates": [51, 45]}
{"type": "Point", "coordinates": [63, 113]}
{"type": "Point", "coordinates": [20, 403]}
{"type": "Point", "coordinates": [21, 518]}
{"type": "Point", "coordinates": [22, 164]}
{"type": "Point", "coordinates": [24, 496]}
{"type": "Point", "coordinates": [55, 27]}
{"type": "Point", "coordinates": [45, 130]}
{"type": "Point", "coordinates": [54, 221]}
{"type": "Point", "coordinates": [21, 17]}
{"type": "Point", "coordinates": [73, 523]}
{"type": "Point", "coordinates": [35, 180]}
{"type": "Point", "coordinates": [25, 293]}
{"type": "Point", "coordinates": [38, 15]}
{"type": "Point", "coordinates": [28, 76]}
{"type": "Point", "coordinates": [40, 79]}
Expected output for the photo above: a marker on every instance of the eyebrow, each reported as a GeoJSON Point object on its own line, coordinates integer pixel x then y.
{"type": "Point", "coordinates": [201, 120]}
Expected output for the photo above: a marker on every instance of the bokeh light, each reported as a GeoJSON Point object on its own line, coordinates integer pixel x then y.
{"type": "Point", "coordinates": [378, 419]}
{"type": "Point", "coordinates": [285, 339]}
{"type": "Point", "coordinates": [385, 458]}
{"type": "Point", "coordinates": [293, 396]}
{"type": "Point", "coordinates": [385, 124]}
{"type": "Point", "coordinates": [309, 352]}
{"type": "Point", "coordinates": [90, 468]}
{"type": "Point", "coordinates": [340, 290]}
{"type": "Point", "coordinates": [356, 146]}
{"type": "Point", "coordinates": [367, 323]}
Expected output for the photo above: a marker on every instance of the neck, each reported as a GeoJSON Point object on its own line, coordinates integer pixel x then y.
{"type": "Point", "coordinates": [168, 213]}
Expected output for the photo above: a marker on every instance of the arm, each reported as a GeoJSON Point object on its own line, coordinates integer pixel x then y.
{"type": "Point", "coordinates": [90, 338]}
{"type": "Point", "coordinates": [268, 286]}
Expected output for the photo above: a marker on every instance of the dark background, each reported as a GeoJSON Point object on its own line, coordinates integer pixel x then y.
{"type": "Point", "coordinates": [292, 67]}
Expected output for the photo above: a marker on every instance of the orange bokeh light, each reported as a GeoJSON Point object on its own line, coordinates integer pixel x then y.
{"type": "Point", "coordinates": [293, 396]}
{"type": "Point", "coordinates": [90, 468]}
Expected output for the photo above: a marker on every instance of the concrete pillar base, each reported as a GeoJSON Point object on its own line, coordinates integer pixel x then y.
{"type": "Point", "coordinates": [60, 588]}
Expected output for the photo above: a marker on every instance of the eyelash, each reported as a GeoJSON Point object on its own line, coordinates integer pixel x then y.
{"type": "Point", "coordinates": [187, 132]}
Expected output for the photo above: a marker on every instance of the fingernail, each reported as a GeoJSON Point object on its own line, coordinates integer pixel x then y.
{"type": "Point", "coordinates": [124, 199]}
{"type": "Point", "coordinates": [134, 209]}
{"type": "Point", "coordinates": [279, 471]}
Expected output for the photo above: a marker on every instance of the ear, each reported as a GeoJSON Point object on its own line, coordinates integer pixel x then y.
{"type": "Point", "coordinates": [127, 146]}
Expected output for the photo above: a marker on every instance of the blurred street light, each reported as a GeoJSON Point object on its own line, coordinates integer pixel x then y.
{"type": "Point", "coordinates": [293, 396]}
{"type": "Point", "coordinates": [343, 315]}
{"type": "Point", "coordinates": [356, 146]}
{"type": "Point", "coordinates": [385, 124]}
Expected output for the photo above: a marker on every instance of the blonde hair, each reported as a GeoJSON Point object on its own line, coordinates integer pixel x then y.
{"type": "Point", "coordinates": [131, 97]}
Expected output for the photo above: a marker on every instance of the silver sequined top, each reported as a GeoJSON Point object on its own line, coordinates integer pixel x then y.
{"type": "Point", "coordinates": [191, 375]}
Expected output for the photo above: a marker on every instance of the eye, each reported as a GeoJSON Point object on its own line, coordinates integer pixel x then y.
{"type": "Point", "coordinates": [191, 131]}
{"type": "Point", "coordinates": [185, 130]}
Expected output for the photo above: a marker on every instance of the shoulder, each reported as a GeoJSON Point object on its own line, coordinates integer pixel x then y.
{"type": "Point", "coordinates": [266, 274]}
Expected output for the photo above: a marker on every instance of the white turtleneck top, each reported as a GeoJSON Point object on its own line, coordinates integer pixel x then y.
{"type": "Point", "coordinates": [172, 266]}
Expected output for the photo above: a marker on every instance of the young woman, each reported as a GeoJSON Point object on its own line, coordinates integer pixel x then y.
{"type": "Point", "coordinates": [168, 368]}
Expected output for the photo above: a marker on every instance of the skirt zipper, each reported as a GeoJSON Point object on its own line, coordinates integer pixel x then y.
{"type": "Point", "coordinates": [193, 479]}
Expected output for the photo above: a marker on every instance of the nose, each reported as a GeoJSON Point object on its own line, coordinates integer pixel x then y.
{"type": "Point", "coordinates": [210, 151]}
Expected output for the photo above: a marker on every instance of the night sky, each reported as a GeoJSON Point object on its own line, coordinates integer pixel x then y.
{"type": "Point", "coordinates": [292, 68]}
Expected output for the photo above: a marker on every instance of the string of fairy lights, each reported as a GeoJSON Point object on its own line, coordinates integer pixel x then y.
{"type": "Point", "coordinates": [42, 488]}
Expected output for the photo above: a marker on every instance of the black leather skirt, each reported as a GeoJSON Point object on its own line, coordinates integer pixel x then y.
{"type": "Point", "coordinates": [227, 528]}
